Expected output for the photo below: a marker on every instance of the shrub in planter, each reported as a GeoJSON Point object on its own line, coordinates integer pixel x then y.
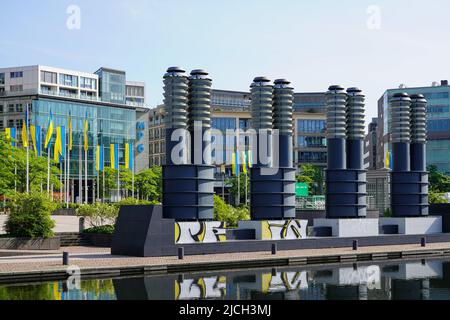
{"type": "Point", "coordinates": [229, 214]}
{"type": "Point", "coordinates": [30, 216]}
{"type": "Point", "coordinates": [98, 214]}
{"type": "Point", "coordinates": [108, 229]}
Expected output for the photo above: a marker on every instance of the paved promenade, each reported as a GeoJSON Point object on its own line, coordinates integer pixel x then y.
{"type": "Point", "coordinates": [95, 261]}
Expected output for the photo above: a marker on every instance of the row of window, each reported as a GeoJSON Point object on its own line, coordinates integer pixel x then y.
{"type": "Point", "coordinates": [315, 157]}
{"type": "Point", "coordinates": [16, 74]}
{"type": "Point", "coordinates": [311, 126]}
{"type": "Point", "coordinates": [11, 123]}
{"type": "Point", "coordinates": [68, 80]}
{"type": "Point", "coordinates": [12, 108]}
{"type": "Point", "coordinates": [157, 147]}
{"type": "Point", "coordinates": [311, 142]}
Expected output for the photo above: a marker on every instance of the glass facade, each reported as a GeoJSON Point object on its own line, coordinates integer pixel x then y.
{"type": "Point", "coordinates": [312, 157]}
{"type": "Point", "coordinates": [112, 85]}
{"type": "Point", "coordinates": [311, 142]}
{"type": "Point", "coordinates": [311, 126]}
{"type": "Point", "coordinates": [68, 80]}
{"type": "Point", "coordinates": [107, 125]}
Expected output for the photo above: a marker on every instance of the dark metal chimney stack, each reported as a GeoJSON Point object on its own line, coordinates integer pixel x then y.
{"type": "Point", "coordinates": [188, 189]}
{"type": "Point", "coordinates": [199, 110]}
{"type": "Point", "coordinates": [336, 100]}
{"type": "Point", "coordinates": [409, 179]}
{"type": "Point", "coordinates": [175, 105]}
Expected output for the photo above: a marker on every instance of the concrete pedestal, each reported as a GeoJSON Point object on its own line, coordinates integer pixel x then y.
{"type": "Point", "coordinates": [346, 228]}
{"type": "Point", "coordinates": [276, 230]}
{"type": "Point", "coordinates": [409, 226]}
{"type": "Point", "coordinates": [200, 232]}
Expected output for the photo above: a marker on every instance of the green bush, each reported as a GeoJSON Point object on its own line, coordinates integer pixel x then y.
{"type": "Point", "coordinates": [98, 214]}
{"type": "Point", "coordinates": [108, 229]}
{"type": "Point", "coordinates": [436, 198]}
{"type": "Point", "coordinates": [30, 216]}
{"type": "Point", "coordinates": [230, 215]}
{"type": "Point", "coordinates": [387, 213]}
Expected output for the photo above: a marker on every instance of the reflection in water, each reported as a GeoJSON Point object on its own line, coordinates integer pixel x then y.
{"type": "Point", "coordinates": [426, 279]}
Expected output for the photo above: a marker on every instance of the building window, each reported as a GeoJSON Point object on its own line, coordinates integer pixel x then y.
{"type": "Point", "coordinates": [16, 74]}
{"type": "Point", "coordinates": [1, 124]}
{"type": "Point", "coordinates": [16, 88]}
{"type": "Point", "coordinates": [2, 78]}
{"type": "Point", "coordinates": [311, 126]}
{"type": "Point", "coordinates": [11, 108]}
{"type": "Point", "coordinates": [10, 123]}
{"type": "Point", "coordinates": [88, 83]}
{"type": "Point", "coordinates": [1, 108]}
{"type": "Point", "coordinates": [68, 80]}
{"type": "Point", "coordinates": [19, 108]}
{"type": "Point", "coordinates": [49, 77]}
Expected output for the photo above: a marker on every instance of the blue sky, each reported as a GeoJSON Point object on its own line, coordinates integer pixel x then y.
{"type": "Point", "coordinates": [312, 43]}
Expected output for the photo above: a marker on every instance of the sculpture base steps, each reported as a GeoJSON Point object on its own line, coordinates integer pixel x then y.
{"type": "Point", "coordinates": [411, 226]}
{"type": "Point", "coordinates": [346, 228]}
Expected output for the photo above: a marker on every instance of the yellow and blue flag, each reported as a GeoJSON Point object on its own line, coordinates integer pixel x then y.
{"type": "Point", "coordinates": [60, 144]}
{"type": "Point", "coordinates": [69, 126]}
{"type": "Point", "coordinates": [235, 163]}
{"type": "Point", "coordinates": [244, 162]}
{"type": "Point", "coordinates": [99, 158]}
{"type": "Point", "coordinates": [25, 130]}
{"type": "Point", "coordinates": [85, 132]}
{"type": "Point", "coordinates": [48, 137]}
{"type": "Point", "coordinates": [114, 156]}
{"type": "Point", "coordinates": [129, 156]}
{"type": "Point", "coordinates": [389, 160]}
{"type": "Point", "coordinates": [11, 136]}
{"type": "Point", "coordinates": [35, 132]}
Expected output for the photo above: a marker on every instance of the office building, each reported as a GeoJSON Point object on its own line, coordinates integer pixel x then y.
{"type": "Point", "coordinates": [115, 109]}
{"type": "Point", "coordinates": [370, 146]}
{"type": "Point", "coordinates": [438, 124]}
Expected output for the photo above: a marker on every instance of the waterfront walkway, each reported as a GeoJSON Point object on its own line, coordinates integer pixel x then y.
{"type": "Point", "coordinates": [98, 262]}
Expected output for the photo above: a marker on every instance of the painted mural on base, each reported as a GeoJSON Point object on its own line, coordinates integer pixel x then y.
{"type": "Point", "coordinates": [202, 288]}
{"type": "Point", "coordinates": [284, 230]}
{"type": "Point", "coordinates": [200, 232]}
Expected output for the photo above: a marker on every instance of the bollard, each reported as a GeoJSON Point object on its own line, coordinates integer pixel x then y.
{"type": "Point", "coordinates": [423, 242]}
{"type": "Point", "coordinates": [355, 245]}
{"type": "Point", "coordinates": [81, 224]}
{"type": "Point", "coordinates": [180, 253]}
{"type": "Point", "coordinates": [274, 248]}
{"type": "Point", "coordinates": [65, 258]}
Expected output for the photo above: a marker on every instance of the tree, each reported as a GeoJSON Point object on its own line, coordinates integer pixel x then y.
{"type": "Point", "coordinates": [439, 182]}
{"type": "Point", "coordinates": [149, 184]}
{"type": "Point", "coordinates": [13, 169]}
{"type": "Point", "coordinates": [313, 176]}
{"type": "Point", "coordinates": [234, 183]}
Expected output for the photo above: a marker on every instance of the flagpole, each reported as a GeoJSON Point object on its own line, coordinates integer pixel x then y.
{"type": "Point", "coordinates": [68, 174]}
{"type": "Point", "coordinates": [48, 169]}
{"type": "Point", "coordinates": [103, 173]}
{"type": "Point", "coordinates": [132, 173]}
{"type": "Point", "coordinates": [118, 182]}
{"type": "Point", "coordinates": [85, 177]}
{"type": "Point", "coordinates": [28, 157]}
{"type": "Point", "coordinates": [80, 174]}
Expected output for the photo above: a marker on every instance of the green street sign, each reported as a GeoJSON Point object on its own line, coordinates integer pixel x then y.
{"type": "Point", "coordinates": [301, 189]}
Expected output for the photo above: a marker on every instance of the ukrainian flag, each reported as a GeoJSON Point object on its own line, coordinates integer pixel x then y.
{"type": "Point", "coordinates": [11, 136]}
{"type": "Point", "coordinates": [389, 160]}
{"type": "Point", "coordinates": [244, 162]}
{"type": "Point", "coordinates": [129, 156]}
{"type": "Point", "coordinates": [114, 156]}
{"type": "Point", "coordinates": [35, 132]}
{"type": "Point", "coordinates": [99, 158]}
{"type": "Point", "coordinates": [235, 163]}
{"type": "Point", "coordinates": [69, 125]}
{"type": "Point", "coordinates": [48, 137]}
{"type": "Point", "coordinates": [60, 144]}
{"type": "Point", "coordinates": [25, 131]}
{"type": "Point", "coordinates": [86, 131]}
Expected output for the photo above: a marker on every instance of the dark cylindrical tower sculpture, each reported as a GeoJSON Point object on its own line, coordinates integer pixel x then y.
{"type": "Point", "coordinates": [355, 148]}
{"type": "Point", "coordinates": [345, 177]}
{"type": "Point", "coordinates": [409, 180]}
{"type": "Point", "coordinates": [199, 112]}
{"type": "Point", "coordinates": [400, 105]}
{"type": "Point", "coordinates": [188, 190]}
{"type": "Point", "coordinates": [272, 195]}
{"type": "Point", "coordinates": [336, 100]}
